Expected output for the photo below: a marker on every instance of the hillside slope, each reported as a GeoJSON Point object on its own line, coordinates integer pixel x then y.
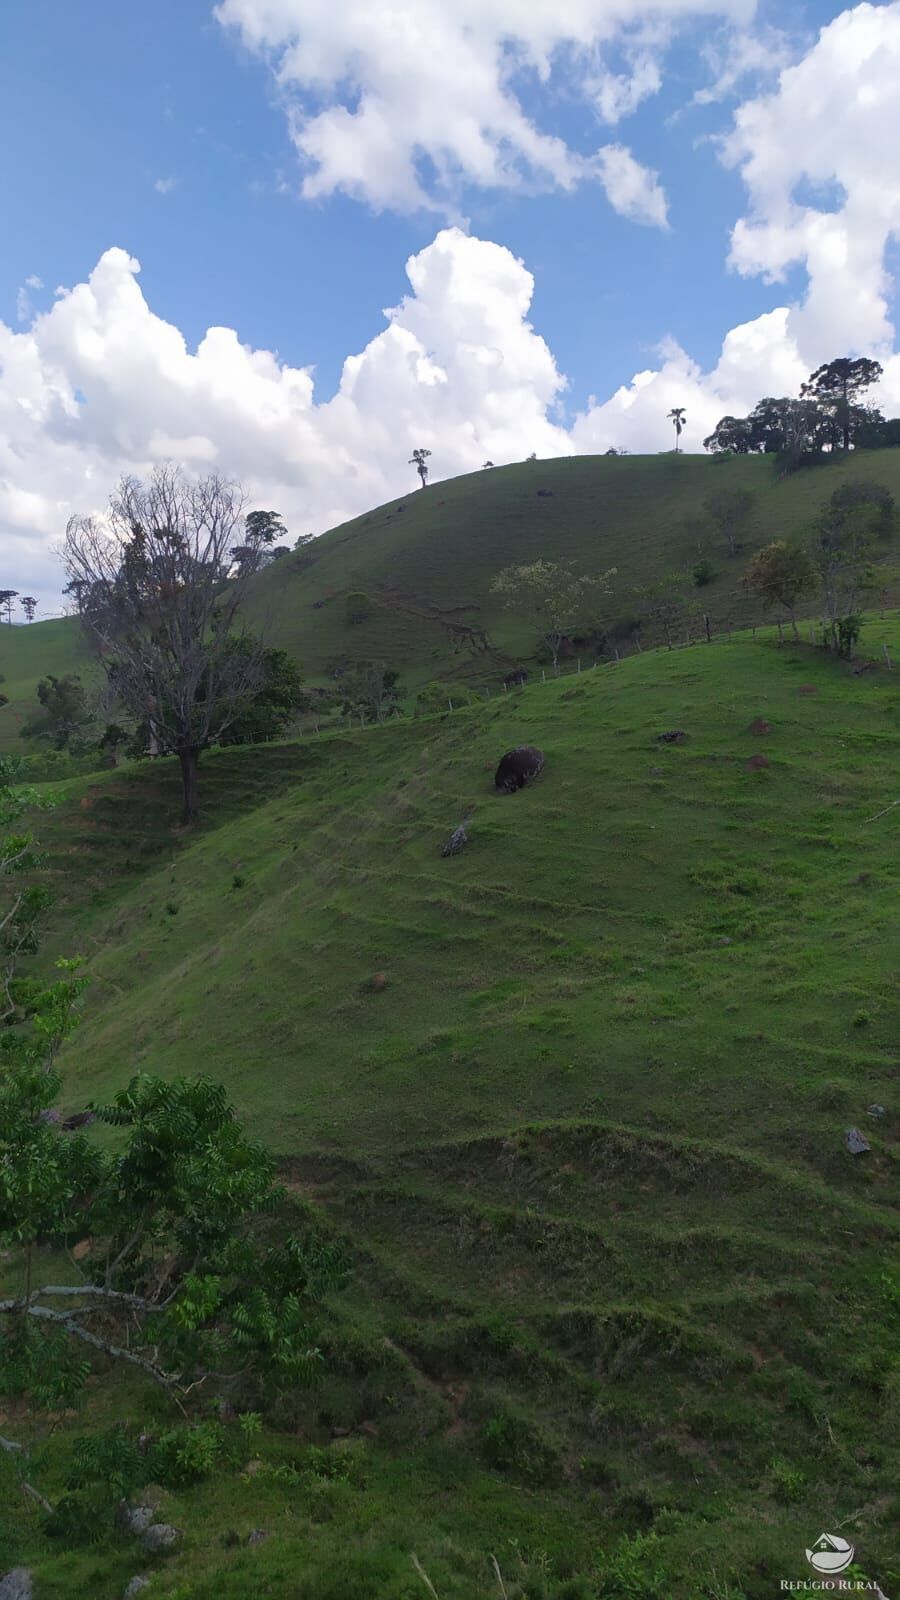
{"type": "Point", "coordinates": [428, 567]}
{"type": "Point", "coordinates": [578, 1097]}
{"type": "Point", "coordinates": [427, 562]}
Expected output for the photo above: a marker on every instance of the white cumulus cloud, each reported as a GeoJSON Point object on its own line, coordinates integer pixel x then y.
{"type": "Point", "coordinates": [631, 189]}
{"type": "Point", "coordinates": [402, 104]}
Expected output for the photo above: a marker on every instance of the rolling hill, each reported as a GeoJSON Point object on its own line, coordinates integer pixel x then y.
{"type": "Point", "coordinates": [426, 563]}
{"type": "Point", "coordinates": [623, 1315]}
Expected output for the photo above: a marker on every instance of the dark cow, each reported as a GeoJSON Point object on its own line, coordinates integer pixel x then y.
{"type": "Point", "coordinates": [516, 678]}
{"type": "Point", "coordinates": [517, 766]}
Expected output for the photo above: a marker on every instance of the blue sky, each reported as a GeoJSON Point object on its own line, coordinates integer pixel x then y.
{"type": "Point", "coordinates": [161, 131]}
{"type": "Point", "coordinates": [101, 99]}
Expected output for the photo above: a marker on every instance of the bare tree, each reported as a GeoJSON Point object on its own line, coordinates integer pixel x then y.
{"type": "Point", "coordinates": [150, 582]}
{"type": "Point", "coordinates": [419, 460]}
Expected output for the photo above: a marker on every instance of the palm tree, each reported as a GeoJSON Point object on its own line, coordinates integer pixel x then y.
{"type": "Point", "coordinates": [676, 415]}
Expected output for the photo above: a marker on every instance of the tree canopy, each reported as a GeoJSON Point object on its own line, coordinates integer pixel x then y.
{"type": "Point", "coordinates": [829, 414]}
{"type": "Point", "coordinates": [551, 595]}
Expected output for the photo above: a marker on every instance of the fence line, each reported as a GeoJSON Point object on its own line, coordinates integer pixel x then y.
{"type": "Point", "coordinates": [479, 694]}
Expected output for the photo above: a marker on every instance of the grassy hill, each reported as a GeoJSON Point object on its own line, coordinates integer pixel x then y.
{"type": "Point", "coordinates": [427, 562]}
{"type": "Point", "coordinates": [428, 566]}
{"type": "Point", "coordinates": [28, 654]}
{"type": "Point", "coordinates": [623, 1313]}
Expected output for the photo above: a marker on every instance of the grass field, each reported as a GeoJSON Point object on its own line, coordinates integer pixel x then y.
{"type": "Point", "coordinates": [427, 562]}
{"type": "Point", "coordinates": [625, 1311]}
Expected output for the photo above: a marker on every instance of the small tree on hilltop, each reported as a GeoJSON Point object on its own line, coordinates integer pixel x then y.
{"type": "Point", "coordinates": [551, 595]}
{"type": "Point", "coordinates": [419, 460]}
{"type": "Point", "coordinates": [781, 574]}
{"type": "Point", "coordinates": [264, 528]}
{"type": "Point", "coordinates": [677, 418]}
{"type": "Point", "coordinates": [29, 606]}
{"type": "Point", "coordinates": [7, 596]}
{"type": "Point", "coordinates": [152, 588]}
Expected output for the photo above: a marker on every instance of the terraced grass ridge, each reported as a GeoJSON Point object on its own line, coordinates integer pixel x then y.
{"type": "Point", "coordinates": [426, 562]}
{"type": "Point", "coordinates": [623, 1320]}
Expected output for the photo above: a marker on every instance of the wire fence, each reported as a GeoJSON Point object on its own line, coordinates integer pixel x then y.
{"type": "Point", "coordinates": [473, 695]}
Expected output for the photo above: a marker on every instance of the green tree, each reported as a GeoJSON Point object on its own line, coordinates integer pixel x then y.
{"type": "Point", "coordinates": [845, 537]}
{"type": "Point", "coordinates": [264, 528]}
{"type": "Point", "coordinates": [173, 1260]}
{"type": "Point", "coordinates": [733, 434]}
{"type": "Point", "coordinates": [664, 603]}
{"type": "Point", "coordinates": [731, 511]}
{"type": "Point", "coordinates": [372, 689]}
{"type": "Point", "coordinates": [835, 388]}
{"type": "Point", "coordinates": [552, 596]}
{"type": "Point", "coordinates": [7, 596]}
{"type": "Point", "coordinates": [29, 606]}
{"type": "Point", "coordinates": [64, 717]}
{"type": "Point", "coordinates": [275, 702]}
{"type": "Point", "coordinates": [781, 574]}
{"type": "Point", "coordinates": [114, 739]}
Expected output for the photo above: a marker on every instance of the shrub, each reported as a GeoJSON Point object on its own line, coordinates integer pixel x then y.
{"type": "Point", "coordinates": [704, 572]}
{"type": "Point", "coordinates": [515, 1444]}
{"type": "Point", "coordinates": [357, 608]}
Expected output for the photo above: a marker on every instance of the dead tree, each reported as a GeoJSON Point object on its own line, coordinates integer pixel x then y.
{"type": "Point", "coordinates": [152, 586]}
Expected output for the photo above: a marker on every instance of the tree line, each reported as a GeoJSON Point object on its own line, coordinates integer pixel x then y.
{"type": "Point", "coordinates": [830, 414]}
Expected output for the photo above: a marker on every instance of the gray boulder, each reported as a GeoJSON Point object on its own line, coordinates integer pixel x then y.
{"type": "Point", "coordinates": [16, 1585]}
{"type": "Point", "coordinates": [136, 1519]}
{"type": "Point", "coordinates": [456, 842]}
{"type": "Point", "coordinates": [134, 1587]}
{"type": "Point", "coordinates": [857, 1144]}
{"type": "Point", "coordinates": [161, 1536]}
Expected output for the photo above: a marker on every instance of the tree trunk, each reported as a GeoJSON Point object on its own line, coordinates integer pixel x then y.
{"type": "Point", "coordinates": [190, 762]}
{"type": "Point", "coordinates": [795, 628]}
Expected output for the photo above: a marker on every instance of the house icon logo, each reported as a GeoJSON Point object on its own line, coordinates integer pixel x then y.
{"type": "Point", "coordinates": [830, 1553]}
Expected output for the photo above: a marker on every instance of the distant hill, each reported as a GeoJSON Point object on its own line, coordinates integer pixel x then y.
{"type": "Point", "coordinates": [426, 562]}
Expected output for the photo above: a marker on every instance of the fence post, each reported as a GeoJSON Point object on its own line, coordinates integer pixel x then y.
{"type": "Point", "coordinates": [579, 663]}
{"type": "Point", "coordinates": [812, 634]}
{"type": "Point", "coordinates": [617, 652]}
{"type": "Point", "coordinates": [543, 676]}
{"type": "Point", "coordinates": [450, 703]}
{"type": "Point", "coordinates": [781, 633]}
{"type": "Point", "coordinates": [887, 657]}
{"type": "Point", "coordinates": [505, 688]}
